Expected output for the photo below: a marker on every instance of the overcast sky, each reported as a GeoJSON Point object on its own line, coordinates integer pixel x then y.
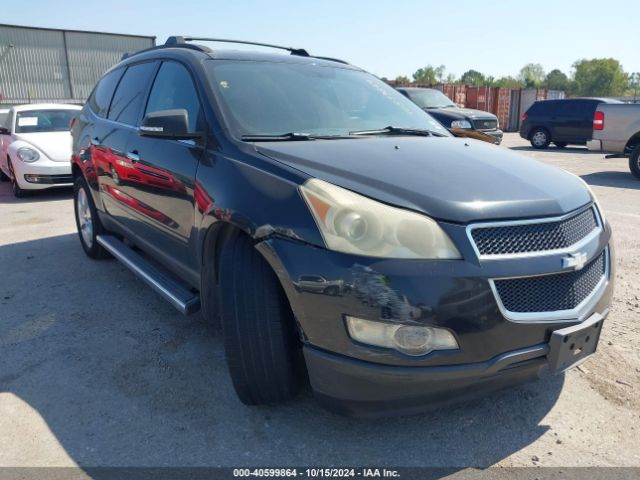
{"type": "Point", "coordinates": [385, 37]}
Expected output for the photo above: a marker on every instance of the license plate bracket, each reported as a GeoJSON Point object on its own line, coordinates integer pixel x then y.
{"type": "Point", "coordinates": [570, 346]}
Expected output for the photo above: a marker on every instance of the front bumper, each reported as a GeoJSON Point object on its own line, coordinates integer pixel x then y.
{"type": "Point", "coordinates": [358, 388]}
{"type": "Point", "coordinates": [42, 174]}
{"type": "Point", "coordinates": [495, 134]}
{"type": "Point", "coordinates": [456, 295]}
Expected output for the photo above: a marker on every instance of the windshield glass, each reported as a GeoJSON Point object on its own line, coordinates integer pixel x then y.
{"type": "Point", "coordinates": [268, 98]}
{"type": "Point", "coordinates": [428, 98]}
{"type": "Point", "coordinates": [37, 121]}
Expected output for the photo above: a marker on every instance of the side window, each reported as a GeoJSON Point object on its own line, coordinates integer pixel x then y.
{"type": "Point", "coordinates": [102, 94]}
{"type": "Point", "coordinates": [173, 88]}
{"type": "Point", "coordinates": [128, 100]}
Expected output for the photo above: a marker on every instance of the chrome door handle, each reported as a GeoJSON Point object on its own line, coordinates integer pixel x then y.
{"type": "Point", "coordinates": [133, 156]}
{"type": "Point", "coordinates": [95, 142]}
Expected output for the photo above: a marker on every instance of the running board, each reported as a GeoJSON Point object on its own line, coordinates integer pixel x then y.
{"type": "Point", "coordinates": [177, 295]}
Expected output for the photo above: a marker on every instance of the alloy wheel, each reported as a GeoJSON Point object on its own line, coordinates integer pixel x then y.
{"type": "Point", "coordinates": [85, 220]}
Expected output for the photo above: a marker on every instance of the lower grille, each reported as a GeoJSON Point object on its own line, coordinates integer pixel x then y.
{"type": "Point", "coordinates": [551, 293]}
{"type": "Point", "coordinates": [485, 124]}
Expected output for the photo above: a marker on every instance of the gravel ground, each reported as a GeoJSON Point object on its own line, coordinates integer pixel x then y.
{"type": "Point", "coordinates": [96, 370]}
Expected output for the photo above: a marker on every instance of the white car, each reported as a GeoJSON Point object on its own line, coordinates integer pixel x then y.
{"type": "Point", "coordinates": [35, 147]}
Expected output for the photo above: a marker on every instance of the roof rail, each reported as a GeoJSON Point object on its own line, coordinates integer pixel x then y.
{"type": "Point", "coordinates": [182, 41]}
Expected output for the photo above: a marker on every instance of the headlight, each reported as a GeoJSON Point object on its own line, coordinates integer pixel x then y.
{"type": "Point", "coordinates": [460, 124]}
{"type": "Point", "coordinates": [28, 155]}
{"type": "Point", "coordinates": [351, 223]}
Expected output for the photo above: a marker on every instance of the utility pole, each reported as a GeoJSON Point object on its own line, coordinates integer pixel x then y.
{"type": "Point", "coordinates": [635, 79]}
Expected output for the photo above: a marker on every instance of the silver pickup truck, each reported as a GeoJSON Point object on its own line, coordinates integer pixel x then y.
{"type": "Point", "coordinates": [616, 130]}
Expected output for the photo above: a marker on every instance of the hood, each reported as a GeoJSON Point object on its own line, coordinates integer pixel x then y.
{"type": "Point", "coordinates": [452, 179]}
{"type": "Point", "coordinates": [55, 145]}
{"type": "Point", "coordinates": [460, 113]}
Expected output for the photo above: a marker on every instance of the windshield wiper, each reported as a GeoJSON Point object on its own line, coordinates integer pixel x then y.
{"type": "Point", "coordinates": [390, 130]}
{"type": "Point", "coordinates": [278, 138]}
{"type": "Point", "coordinates": [291, 136]}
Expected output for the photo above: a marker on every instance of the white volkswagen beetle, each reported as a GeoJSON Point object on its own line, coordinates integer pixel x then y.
{"type": "Point", "coordinates": [35, 147]}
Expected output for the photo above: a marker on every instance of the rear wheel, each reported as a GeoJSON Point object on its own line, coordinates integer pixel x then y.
{"type": "Point", "coordinates": [3, 176]}
{"type": "Point", "coordinates": [634, 162]}
{"type": "Point", "coordinates": [560, 144]}
{"type": "Point", "coordinates": [87, 221]}
{"type": "Point", "coordinates": [540, 138]}
{"type": "Point", "coordinates": [258, 326]}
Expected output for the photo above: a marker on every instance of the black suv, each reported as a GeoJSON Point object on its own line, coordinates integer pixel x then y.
{"type": "Point", "coordinates": [563, 122]}
{"type": "Point", "coordinates": [463, 122]}
{"type": "Point", "coordinates": [221, 178]}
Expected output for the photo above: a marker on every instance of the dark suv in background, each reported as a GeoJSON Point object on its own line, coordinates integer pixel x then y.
{"type": "Point", "coordinates": [462, 122]}
{"type": "Point", "coordinates": [563, 122]}
{"type": "Point", "coordinates": [227, 179]}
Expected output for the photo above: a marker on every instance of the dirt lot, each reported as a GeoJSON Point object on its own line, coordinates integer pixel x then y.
{"type": "Point", "coordinates": [95, 369]}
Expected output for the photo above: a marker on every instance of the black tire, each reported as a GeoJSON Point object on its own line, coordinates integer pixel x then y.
{"type": "Point", "coordinates": [634, 162]}
{"type": "Point", "coordinates": [89, 243]}
{"type": "Point", "coordinates": [17, 191]}
{"type": "Point", "coordinates": [560, 144]}
{"type": "Point", "coordinates": [3, 176]}
{"type": "Point", "coordinates": [258, 326]}
{"type": "Point", "coordinates": [332, 290]}
{"type": "Point", "coordinates": [540, 138]}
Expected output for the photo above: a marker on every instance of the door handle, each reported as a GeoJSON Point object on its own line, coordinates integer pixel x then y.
{"type": "Point", "coordinates": [95, 141]}
{"type": "Point", "coordinates": [133, 156]}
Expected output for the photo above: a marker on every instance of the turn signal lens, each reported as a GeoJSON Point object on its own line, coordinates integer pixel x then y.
{"type": "Point", "coordinates": [408, 339]}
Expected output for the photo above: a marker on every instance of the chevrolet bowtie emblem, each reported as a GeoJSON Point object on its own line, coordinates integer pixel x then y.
{"type": "Point", "coordinates": [574, 260]}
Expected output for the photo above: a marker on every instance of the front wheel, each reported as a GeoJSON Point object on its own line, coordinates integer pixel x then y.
{"type": "Point", "coordinates": [634, 162]}
{"type": "Point", "coordinates": [258, 327]}
{"type": "Point", "coordinates": [87, 221]}
{"type": "Point", "coordinates": [540, 138]}
{"type": "Point", "coordinates": [18, 192]}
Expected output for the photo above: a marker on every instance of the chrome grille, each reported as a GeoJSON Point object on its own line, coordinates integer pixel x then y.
{"type": "Point", "coordinates": [551, 293]}
{"type": "Point", "coordinates": [534, 237]}
{"type": "Point", "coordinates": [485, 124]}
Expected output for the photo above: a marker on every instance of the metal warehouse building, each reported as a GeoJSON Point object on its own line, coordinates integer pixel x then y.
{"type": "Point", "coordinates": [49, 65]}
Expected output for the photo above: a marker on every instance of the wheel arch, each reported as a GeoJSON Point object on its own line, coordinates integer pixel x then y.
{"type": "Point", "coordinates": [633, 142]}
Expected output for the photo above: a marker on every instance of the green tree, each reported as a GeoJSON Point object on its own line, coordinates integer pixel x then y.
{"type": "Point", "coordinates": [429, 74]}
{"type": "Point", "coordinates": [532, 75]}
{"type": "Point", "coordinates": [557, 80]}
{"type": "Point", "coordinates": [473, 78]}
{"type": "Point", "coordinates": [599, 77]}
{"type": "Point", "coordinates": [402, 79]}
{"type": "Point", "coordinates": [507, 82]}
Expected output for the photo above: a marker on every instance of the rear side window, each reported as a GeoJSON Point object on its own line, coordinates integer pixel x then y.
{"type": "Point", "coordinates": [173, 88]}
{"type": "Point", "coordinates": [545, 107]}
{"type": "Point", "coordinates": [128, 100]}
{"type": "Point", "coordinates": [102, 94]}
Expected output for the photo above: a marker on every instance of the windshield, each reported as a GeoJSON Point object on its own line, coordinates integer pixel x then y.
{"type": "Point", "coordinates": [428, 98]}
{"type": "Point", "coordinates": [38, 121]}
{"type": "Point", "coordinates": [269, 98]}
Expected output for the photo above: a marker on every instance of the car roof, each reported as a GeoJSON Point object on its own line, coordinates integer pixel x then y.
{"type": "Point", "coordinates": [45, 106]}
{"type": "Point", "coordinates": [199, 52]}
{"type": "Point", "coordinates": [605, 100]}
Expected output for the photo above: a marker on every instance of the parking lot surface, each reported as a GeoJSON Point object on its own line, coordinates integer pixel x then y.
{"type": "Point", "coordinates": [97, 370]}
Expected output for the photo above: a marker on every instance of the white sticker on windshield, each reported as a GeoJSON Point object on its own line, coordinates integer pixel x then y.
{"type": "Point", "coordinates": [28, 121]}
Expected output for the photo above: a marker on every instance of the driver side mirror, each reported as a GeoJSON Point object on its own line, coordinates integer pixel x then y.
{"type": "Point", "coordinates": [173, 124]}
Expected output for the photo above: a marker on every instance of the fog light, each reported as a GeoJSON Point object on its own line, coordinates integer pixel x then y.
{"type": "Point", "coordinates": [32, 178]}
{"type": "Point", "coordinates": [408, 339]}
